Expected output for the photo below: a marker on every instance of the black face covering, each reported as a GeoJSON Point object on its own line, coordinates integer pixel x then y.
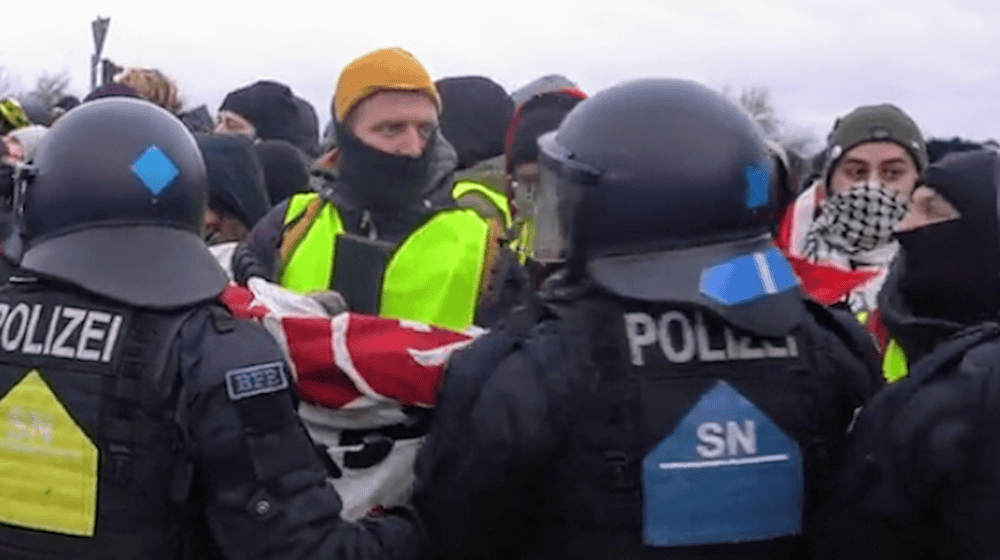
{"type": "Point", "coordinates": [945, 274]}
{"type": "Point", "coordinates": [380, 181]}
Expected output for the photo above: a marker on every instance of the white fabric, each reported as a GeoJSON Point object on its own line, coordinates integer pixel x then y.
{"type": "Point", "coordinates": [223, 252]}
{"type": "Point", "coordinates": [387, 484]}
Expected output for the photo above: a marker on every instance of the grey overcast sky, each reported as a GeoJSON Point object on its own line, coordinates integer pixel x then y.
{"type": "Point", "coordinates": [937, 59]}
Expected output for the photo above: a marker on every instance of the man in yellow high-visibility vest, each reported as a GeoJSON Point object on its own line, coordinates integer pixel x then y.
{"type": "Point", "coordinates": [396, 236]}
{"type": "Point", "coordinates": [392, 232]}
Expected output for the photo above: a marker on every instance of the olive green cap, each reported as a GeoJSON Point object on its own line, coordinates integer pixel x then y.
{"type": "Point", "coordinates": [875, 123]}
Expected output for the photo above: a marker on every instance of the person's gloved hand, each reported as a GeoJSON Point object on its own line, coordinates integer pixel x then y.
{"type": "Point", "coordinates": [332, 301]}
{"type": "Point", "coordinates": [246, 266]}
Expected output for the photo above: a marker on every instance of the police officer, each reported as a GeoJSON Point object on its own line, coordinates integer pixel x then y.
{"type": "Point", "coordinates": [922, 472]}
{"type": "Point", "coordinates": [679, 397]}
{"type": "Point", "coordinates": [138, 419]}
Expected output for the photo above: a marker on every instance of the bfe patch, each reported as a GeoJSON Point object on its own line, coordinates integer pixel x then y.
{"type": "Point", "coordinates": [256, 380]}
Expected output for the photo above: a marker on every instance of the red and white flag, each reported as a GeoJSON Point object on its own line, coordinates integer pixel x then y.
{"type": "Point", "coordinates": [350, 360]}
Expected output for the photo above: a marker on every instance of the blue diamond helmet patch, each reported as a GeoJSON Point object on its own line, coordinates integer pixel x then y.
{"type": "Point", "coordinates": [758, 186]}
{"type": "Point", "coordinates": [155, 170]}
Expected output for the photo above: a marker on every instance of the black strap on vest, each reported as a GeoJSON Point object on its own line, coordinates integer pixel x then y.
{"type": "Point", "coordinates": [616, 396]}
{"type": "Point", "coordinates": [134, 439]}
{"type": "Point", "coordinates": [359, 270]}
{"type": "Point", "coordinates": [275, 442]}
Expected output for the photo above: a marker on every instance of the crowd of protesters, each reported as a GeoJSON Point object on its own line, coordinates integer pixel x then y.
{"type": "Point", "coordinates": [422, 203]}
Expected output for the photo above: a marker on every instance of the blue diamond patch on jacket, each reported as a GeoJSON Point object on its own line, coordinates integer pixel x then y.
{"type": "Point", "coordinates": [155, 170]}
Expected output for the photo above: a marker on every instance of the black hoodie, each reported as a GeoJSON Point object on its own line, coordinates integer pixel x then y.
{"type": "Point", "coordinates": [475, 114]}
{"type": "Point", "coordinates": [235, 176]}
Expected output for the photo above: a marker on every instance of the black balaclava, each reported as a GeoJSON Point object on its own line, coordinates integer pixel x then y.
{"type": "Point", "coordinates": [952, 269]}
{"type": "Point", "coordinates": [377, 180]}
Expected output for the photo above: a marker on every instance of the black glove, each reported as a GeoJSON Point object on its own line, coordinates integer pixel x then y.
{"type": "Point", "coordinates": [246, 266]}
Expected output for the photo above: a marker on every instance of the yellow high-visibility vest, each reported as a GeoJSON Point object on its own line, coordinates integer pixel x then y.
{"type": "Point", "coordinates": [434, 275]}
{"type": "Point", "coordinates": [894, 365]}
{"type": "Point", "coordinates": [496, 199]}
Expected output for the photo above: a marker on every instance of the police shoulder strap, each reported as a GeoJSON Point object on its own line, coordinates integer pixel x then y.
{"type": "Point", "coordinates": [616, 395]}
{"type": "Point", "coordinates": [134, 441]}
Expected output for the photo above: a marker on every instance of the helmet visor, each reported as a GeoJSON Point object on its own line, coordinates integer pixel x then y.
{"type": "Point", "coordinates": [553, 216]}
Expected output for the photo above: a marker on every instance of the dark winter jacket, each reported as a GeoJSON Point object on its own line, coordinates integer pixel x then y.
{"type": "Point", "coordinates": [921, 475]}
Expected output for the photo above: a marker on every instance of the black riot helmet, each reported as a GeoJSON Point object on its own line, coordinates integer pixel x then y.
{"type": "Point", "coordinates": [660, 190]}
{"type": "Point", "coordinates": [114, 202]}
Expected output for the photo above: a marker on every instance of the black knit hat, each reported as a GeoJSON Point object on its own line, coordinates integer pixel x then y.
{"type": "Point", "coordinates": [475, 113]}
{"type": "Point", "coordinates": [269, 106]}
{"type": "Point", "coordinates": [969, 181]}
{"type": "Point", "coordinates": [235, 176]}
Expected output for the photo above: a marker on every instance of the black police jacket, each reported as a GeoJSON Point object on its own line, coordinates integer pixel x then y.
{"type": "Point", "coordinates": [136, 434]}
{"type": "Point", "coordinates": [921, 475]}
{"type": "Point", "coordinates": [601, 435]}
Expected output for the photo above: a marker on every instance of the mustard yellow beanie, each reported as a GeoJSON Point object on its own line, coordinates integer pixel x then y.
{"type": "Point", "coordinates": [383, 69]}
